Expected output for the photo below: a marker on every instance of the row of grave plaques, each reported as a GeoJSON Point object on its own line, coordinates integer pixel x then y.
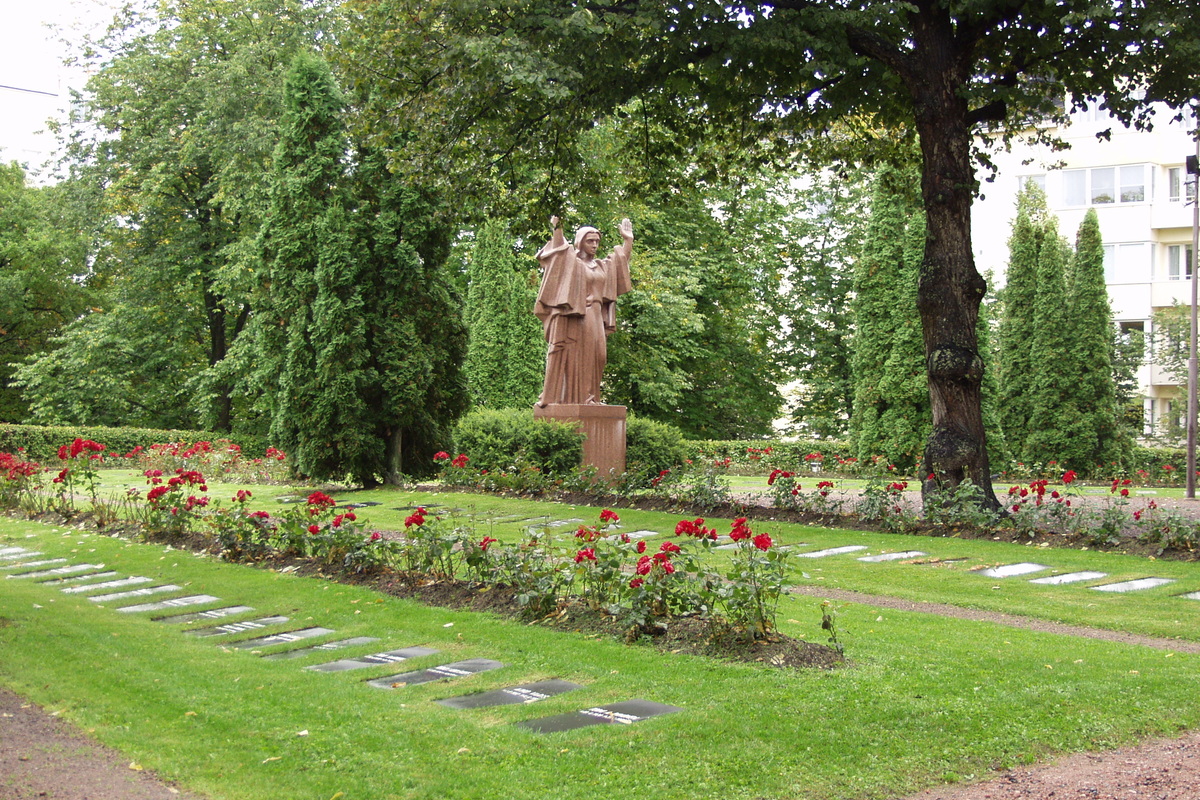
{"type": "Point", "coordinates": [85, 578]}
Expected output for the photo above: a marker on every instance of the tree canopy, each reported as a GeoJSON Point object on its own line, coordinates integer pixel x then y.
{"type": "Point", "coordinates": [494, 85]}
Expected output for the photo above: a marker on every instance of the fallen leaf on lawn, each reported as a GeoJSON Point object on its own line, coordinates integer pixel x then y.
{"type": "Point", "coordinates": [462, 750]}
{"type": "Point", "coordinates": [136, 767]}
{"type": "Point", "coordinates": [189, 713]}
{"type": "Point", "coordinates": [302, 733]}
{"type": "Point", "coordinates": [272, 758]}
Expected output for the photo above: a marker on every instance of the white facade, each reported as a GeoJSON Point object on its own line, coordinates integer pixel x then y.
{"type": "Point", "coordinates": [1138, 184]}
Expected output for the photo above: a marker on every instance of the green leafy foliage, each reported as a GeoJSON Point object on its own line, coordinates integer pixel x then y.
{"type": "Point", "coordinates": [891, 400]}
{"type": "Point", "coordinates": [511, 438]}
{"type": "Point", "coordinates": [507, 348]}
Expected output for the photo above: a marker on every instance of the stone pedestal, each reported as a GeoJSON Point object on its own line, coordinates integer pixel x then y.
{"type": "Point", "coordinates": [604, 427]}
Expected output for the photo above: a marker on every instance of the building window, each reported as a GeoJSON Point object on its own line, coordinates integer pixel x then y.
{"type": "Point", "coordinates": [1037, 180]}
{"type": "Point", "coordinates": [1179, 185]}
{"type": "Point", "coordinates": [1179, 262]}
{"type": "Point", "coordinates": [1127, 263]}
{"type": "Point", "coordinates": [1104, 185]}
{"type": "Point", "coordinates": [1133, 184]}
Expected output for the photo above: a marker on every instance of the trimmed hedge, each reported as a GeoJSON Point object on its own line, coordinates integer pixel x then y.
{"type": "Point", "coordinates": [41, 443]}
{"type": "Point", "coordinates": [651, 447]}
{"type": "Point", "coordinates": [503, 439]}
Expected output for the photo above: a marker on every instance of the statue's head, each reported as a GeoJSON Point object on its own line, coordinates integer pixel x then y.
{"type": "Point", "coordinates": [587, 240]}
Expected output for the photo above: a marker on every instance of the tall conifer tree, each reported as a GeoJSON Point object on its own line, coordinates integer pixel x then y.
{"type": "Point", "coordinates": [507, 351]}
{"type": "Point", "coordinates": [891, 401]}
{"type": "Point", "coordinates": [1101, 443]}
{"type": "Point", "coordinates": [1017, 331]}
{"type": "Point", "coordinates": [359, 341]}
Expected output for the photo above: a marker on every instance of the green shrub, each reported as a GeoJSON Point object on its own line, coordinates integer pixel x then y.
{"type": "Point", "coordinates": [41, 443]}
{"type": "Point", "coordinates": [650, 448]}
{"type": "Point", "coordinates": [508, 439]}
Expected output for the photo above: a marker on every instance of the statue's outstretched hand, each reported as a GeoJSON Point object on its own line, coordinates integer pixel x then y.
{"type": "Point", "coordinates": [626, 230]}
{"type": "Point", "coordinates": [554, 223]}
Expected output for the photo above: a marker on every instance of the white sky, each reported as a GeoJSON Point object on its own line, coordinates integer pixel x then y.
{"type": "Point", "coordinates": [33, 81]}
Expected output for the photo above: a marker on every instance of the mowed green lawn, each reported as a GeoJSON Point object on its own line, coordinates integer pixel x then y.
{"type": "Point", "coordinates": [925, 699]}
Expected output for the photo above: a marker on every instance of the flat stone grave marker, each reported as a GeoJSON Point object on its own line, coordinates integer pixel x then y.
{"type": "Point", "coordinates": [70, 569]}
{"type": "Point", "coordinates": [558, 523]}
{"type": "Point", "coordinates": [625, 713]}
{"type": "Point", "coordinates": [212, 613]}
{"type": "Point", "coordinates": [373, 660]}
{"type": "Point", "coordinates": [1069, 577]}
{"type": "Point", "coordinates": [892, 556]}
{"type": "Point", "coordinates": [174, 602]}
{"type": "Point", "coordinates": [525, 693]}
{"type": "Point", "coordinates": [364, 504]}
{"type": "Point", "coordinates": [281, 638]}
{"type": "Point", "coordinates": [77, 579]}
{"type": "Point", "coordinates": [414, 508]}
{"type": "Point", "coordinates": [149, 590]}
{"type": "Point", "coordinates": [115, 584]}
{"type": "Point", "coordinates": [28, 564]}
{"type": "Point", "coordinates": [634, 534]}
{"type": "Point", "coordinates": [1010, 570]}
{"type": "Point", "coordinates": [458, 669]}
{"type": "Point", "coordinates": [1133, 586]}
{"type": "Point", "coordinates": [325, 647]}
{"type": "Point", "coordinates": [833, 551]}
{"type": "Point", "coordinates": [12, 552]}
{"type": "Point", "coordinates": [236, 627]}
{"type": "Point", "coordinates": [1191, 596]}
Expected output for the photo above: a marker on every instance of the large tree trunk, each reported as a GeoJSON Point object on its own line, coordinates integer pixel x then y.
{"type": "Point", "coordinates": [950, 288]}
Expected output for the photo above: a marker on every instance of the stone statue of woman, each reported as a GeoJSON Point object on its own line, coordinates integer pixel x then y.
{"type": "Point", "coordinates": [577, 306]}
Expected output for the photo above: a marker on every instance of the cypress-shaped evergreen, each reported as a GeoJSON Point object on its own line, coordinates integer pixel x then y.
{"type": "Point", "coordinates": [1017, 330]}
{"type": "Point", "coordinates": [507, 352]}
{"type": "Point", "coordinates": [359, 339]}
{"type": "Point", "coordinates": [1101, 444]}
{"type": "Point", "coordinates": [891, 401]}
{"type": "Point", "coordinates": [303, 242]}
{"type": "Point", "coordinates": [1052, 416]}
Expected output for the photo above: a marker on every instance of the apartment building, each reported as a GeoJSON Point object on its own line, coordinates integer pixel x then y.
{"type": "Point", "coordinates": [1138, 183]}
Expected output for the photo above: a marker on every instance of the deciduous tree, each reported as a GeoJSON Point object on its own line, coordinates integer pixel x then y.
{"type": "Point", "coordinates": [489, 84]}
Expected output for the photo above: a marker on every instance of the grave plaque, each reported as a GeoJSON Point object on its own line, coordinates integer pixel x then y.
{"type": "Point", "coordinates": [1009, 570]}
{"type": "Point", "coordinates": [6, 552]}
{"type": "Point", "coordinates": [1133, 586]}
{"type": "Point", "coordinates": [149, 590]}
{"type": "Point", "coordinates": [93, 587]}
{"type": "Point", "coordinates": [625, 713]}
{"type": "Point", "coordinates": [16, 553]}
{"type": "Point", "coordinates": [70, 569]}
{"type": "Point", "coordinates": [77, 579]}
{"type": "Point", "coordinates": [1069, 577]}
{"type": "Point", "coordinates": [458, 669]}
{"type": "Point", "coordinates": [373, 660]}
{"type": "Point", "coordinates": [29, 564]}
{"type": "Point", "coordinates": [833, 551]}
{"type": "Point", "coordinates": [212, 613]}
{"type": "Point", "coordinates": [892, 556]}
{"type": "Point", "coordinates": [236, 627]}
{"type": "Point", "coordinates": [1191, 596]}
{"type": "Point", "coordinates": [174, 602]}
{"type": "Point", "coordinates": [526, 693]}
{"type": "Point", "coordinates": [281, 638]}
{"type": "Point", "coordinates": [325, 647]}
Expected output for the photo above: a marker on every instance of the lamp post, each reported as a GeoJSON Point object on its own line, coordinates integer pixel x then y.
{"type": "Point", "coordinates": [1193, 169]}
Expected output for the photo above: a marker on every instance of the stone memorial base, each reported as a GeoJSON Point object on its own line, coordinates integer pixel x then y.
{"type": "Point", "coordinates": [604, 427]}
